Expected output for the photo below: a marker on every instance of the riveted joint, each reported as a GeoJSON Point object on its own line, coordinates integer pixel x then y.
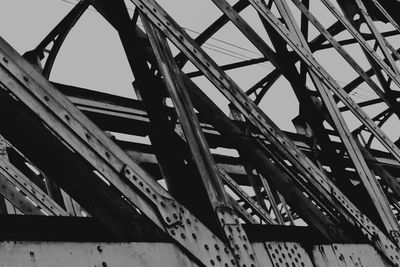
{"type": "Point", "coordinates": [168, 208]}
{"type": "Point", "coordinates": [395, 235]}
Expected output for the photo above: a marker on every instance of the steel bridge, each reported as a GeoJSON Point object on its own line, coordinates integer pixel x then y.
{"type": "Point", "coordinates": [218, 184]}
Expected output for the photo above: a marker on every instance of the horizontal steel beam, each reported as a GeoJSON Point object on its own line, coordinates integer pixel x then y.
{"type": "Point", "coordinates": [85, 254]}
{"type": "Point", "coordinates": [105, 108]}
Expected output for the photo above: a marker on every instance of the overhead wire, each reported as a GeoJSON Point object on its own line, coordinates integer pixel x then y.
{"type": "Point", "coordinates": [240, 56]}
{"type": "Point", "coordinates": [229, 52]}
{"type": "Point", "coordinates": [359, 95]}
{"type": "Point", "coordinates": [227, 43]}
{"type": "Point", "coordinates": [215, 48]}
{"type": "Point", "coordinates": [222, 52]}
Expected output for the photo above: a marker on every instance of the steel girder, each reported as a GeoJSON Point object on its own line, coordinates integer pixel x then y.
{"type": "Point", "coordinates": [339, 186]}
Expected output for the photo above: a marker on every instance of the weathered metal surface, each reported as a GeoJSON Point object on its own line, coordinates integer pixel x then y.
{"type": "Point", "coordinates": [63, 254]}
{"type": "Point", "coordinates": [82, 254]}
{"type": "Point", "coordinates": [288, 254]}
{"type": "Point", "coordinates": [321, 176]}
{"type": "Point", "coordinates": [348, 255]}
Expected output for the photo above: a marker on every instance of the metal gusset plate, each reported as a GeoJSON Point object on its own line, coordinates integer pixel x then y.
{"type": "Point", "coordinates": [81, 136]}
{"type": "Point", "coordinates": [228, 220]}
{"type": "Point", "coordinates": [165, 24]}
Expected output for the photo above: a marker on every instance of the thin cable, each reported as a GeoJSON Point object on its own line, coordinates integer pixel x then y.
{"type": "Point", "coordinates": [360, 96]}
{"type": "Point", "coordinates": [372, 93]}
{"type": "Point", "coordinates": [244, 57]}
{"type": "Point", "coordinates": [227, 43]}
{"type": "Point", "coordinates": [190, 30]}
{"type": "Point", "coordinates": [215, 49]}
{"type": "Point", "coordinates": [226, 51]}
{"type": "Point", "coordinates": [234, 54]}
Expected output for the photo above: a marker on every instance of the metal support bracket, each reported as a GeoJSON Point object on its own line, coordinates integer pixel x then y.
{"type": "Point", "coordinates": [237, 238]}
{"type": "Point", "coordinates": [167, 207]}
{"type": "Point", "coordinates": [223, 82]}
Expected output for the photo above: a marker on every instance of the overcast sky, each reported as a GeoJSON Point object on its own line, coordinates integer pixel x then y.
{"type": "Point", "coordinates": [92, 56]}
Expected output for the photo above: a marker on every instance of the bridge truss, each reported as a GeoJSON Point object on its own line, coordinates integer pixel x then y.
{"type": "Point", "coordinates": [325, 195]}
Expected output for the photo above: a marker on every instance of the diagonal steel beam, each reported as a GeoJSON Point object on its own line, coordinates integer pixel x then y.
{"type": "Point", "coordinates": [369, 180]}
{"type": "Point", "coordinates": [382, 43]}
{"type": "Point", "coordinates": [202, 156]}
{"type": "Point", "coordinates": [181, 59]}
{"type": "Point", "coordinates": [352, 62]}
{"type": "Point", "coordinates": [85, 139]}
{"type": "Point", "coordinates": [24, 194]}
{"type": "Point", "coordinates": [165, 23]}
{"type": "Point", "coordinates": [56, 37]}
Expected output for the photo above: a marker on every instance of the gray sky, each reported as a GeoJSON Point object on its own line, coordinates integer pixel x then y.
{"type": "Point", "coordinates": [92, 56]}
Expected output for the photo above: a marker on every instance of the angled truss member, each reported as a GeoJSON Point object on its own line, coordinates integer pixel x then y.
{"type": "Point", "coordinates": [213, 206]}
